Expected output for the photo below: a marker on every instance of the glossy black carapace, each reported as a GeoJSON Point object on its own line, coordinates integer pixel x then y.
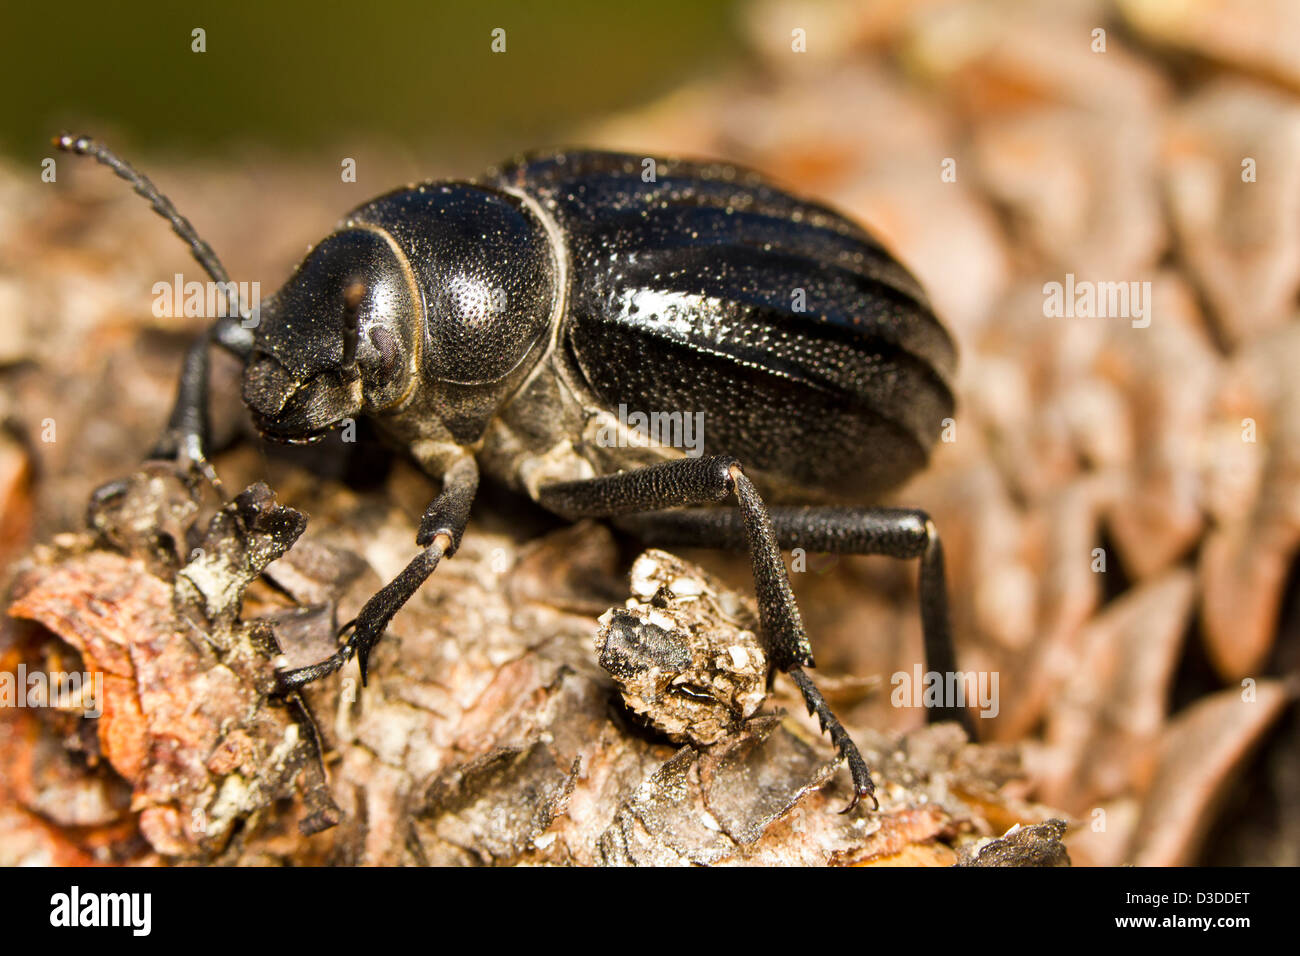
{"type": "Point", "coordinates": [513, 324]}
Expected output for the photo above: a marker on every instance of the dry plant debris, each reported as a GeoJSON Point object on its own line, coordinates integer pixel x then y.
{"type": "Point", "coordinates": [488, 732]}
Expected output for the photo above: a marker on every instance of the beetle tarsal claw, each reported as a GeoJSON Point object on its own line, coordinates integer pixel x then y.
{"type": "Point", "coordinates": [184, 450]}
{"type": "Point", "coordinates": [859, 794]}
{"type": "Point", "coordinates": [361, 638]}
{"type": "Point", "coordinates": [359, 644]}
{"type": "Point", "coordinates": [300, 677]}
{"type": "Point", "coordinates": [863, 786]}
{"type": "Point", "coordinates": [194, 458]}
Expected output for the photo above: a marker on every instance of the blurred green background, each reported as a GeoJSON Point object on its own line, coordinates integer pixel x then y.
{"type": "Point", "coordinates": [294, 77]}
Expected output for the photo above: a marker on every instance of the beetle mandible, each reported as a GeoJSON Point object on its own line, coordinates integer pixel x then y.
{"type": "Point", "coordinates": [502, 324]}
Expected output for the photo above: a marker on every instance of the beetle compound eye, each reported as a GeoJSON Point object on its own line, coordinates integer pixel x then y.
{"type": "Point", "coordinates": [390, 354]}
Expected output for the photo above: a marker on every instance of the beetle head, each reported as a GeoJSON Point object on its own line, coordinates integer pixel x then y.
{"type": "Point", "coordinates": [337, 340]}
{"type": "Point", "coordinates": [347, 334]}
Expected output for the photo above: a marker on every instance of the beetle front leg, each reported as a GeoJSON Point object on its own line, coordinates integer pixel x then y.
{"type": "Point", "coordinates": [439, 536]}
{"type": "Point", "coordinates": [695, 481]}
{"type": "Point", "coordinates": [185, 439]}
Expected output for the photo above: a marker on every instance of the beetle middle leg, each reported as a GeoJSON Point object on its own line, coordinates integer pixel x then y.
{"type": "Point", "coordinates": [696, 481]}
{"type": "Point", "coordinates": [439, 536]}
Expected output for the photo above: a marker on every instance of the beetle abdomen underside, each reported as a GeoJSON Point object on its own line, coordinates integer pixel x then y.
{"type": "Point", "coordinates": [812, 354]}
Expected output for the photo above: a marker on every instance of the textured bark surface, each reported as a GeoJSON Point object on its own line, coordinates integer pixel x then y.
{"type": "Point", "coordinates": [487, 733]}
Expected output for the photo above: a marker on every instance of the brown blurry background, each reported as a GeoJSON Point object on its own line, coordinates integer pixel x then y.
{"type": "Point", "coordinates": [1152, 701]}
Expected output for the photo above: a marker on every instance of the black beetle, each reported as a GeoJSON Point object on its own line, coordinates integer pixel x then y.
{"type": "Point", "coordinates": [500, 323]}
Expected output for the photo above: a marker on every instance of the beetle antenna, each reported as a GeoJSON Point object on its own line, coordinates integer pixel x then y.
{"type": "Point", "coordinates": [200, 250]}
